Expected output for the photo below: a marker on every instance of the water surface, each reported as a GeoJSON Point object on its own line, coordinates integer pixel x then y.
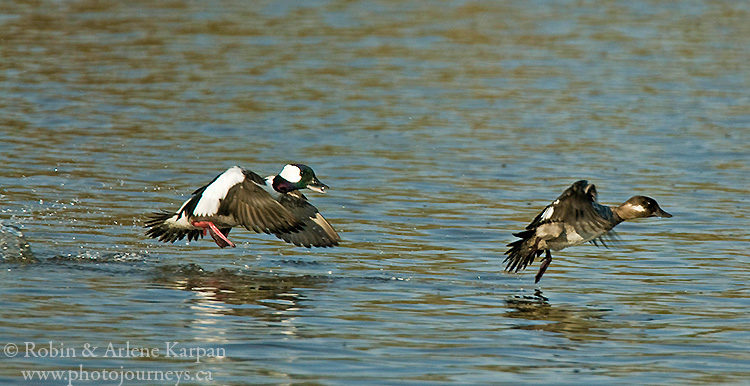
{"type": "Point", "coordinates": [442, 128]}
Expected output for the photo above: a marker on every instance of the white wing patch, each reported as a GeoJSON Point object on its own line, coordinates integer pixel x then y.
{"type": "Point", "coordinates": [214, 193]}
{"type": "Point", "coordinates": [291, 173]}
{"type": "Point", "coordinates": [547, 214]}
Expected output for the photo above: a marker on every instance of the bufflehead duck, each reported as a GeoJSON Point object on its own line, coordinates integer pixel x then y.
{"type": "Point", "coordinates": [239, 197]}
{"type": "Point", "coordinates": [574, 218]}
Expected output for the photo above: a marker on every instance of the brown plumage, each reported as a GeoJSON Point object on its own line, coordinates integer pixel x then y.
{"type": "Point", "coordinates": [575, 217]}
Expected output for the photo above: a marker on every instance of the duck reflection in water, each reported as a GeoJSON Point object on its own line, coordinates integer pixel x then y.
{"type": "Point", "coordinates": [261, 296]}
{"type": "Point", "coordinates": [575, 323]}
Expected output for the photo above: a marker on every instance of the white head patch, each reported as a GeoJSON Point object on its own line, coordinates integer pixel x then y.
{"type": "Point", "coordinates": [291, 173]}
{"type": "Point", "coordinates": [638, 208]}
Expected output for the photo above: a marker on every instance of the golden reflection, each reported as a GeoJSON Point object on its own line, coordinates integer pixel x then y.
{"type": "Point", "coordinates": [575, 323]}
{"type": "Point", "coordinates": [222, 292]}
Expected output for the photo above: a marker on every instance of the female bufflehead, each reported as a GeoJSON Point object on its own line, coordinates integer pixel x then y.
{"type": "Point", "coordinates": [574, 218]}
{"type": "Point", "coordinates": [239, 197]}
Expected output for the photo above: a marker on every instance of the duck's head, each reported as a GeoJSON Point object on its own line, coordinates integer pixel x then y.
{"type": "Point", "coordinates": [297, 176]}
{"type": "Point", "coordinates": [640, 207]}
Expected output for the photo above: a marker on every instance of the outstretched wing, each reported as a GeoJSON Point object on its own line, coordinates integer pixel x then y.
{"type": "Point", "coordinates": [577, 207]}
{"type": "Point", "coordinates": [255, 209]}
{"type": "Point", "coordinates": [161, 225]}
{"type": "Point", "coordinates": [316, 230]}
{"type": "Point", "coordinates": [609, 238]}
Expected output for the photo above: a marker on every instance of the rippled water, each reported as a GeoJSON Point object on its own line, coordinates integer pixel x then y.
{"type": "Point", "coordinates": [442, 128]}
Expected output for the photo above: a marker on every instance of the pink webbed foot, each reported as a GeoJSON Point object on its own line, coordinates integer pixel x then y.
{"type": "Point", "coordinates": [221, 240]}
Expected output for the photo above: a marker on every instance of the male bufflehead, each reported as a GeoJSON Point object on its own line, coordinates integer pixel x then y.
{"type": "Point", "coordinates": [239, 197]}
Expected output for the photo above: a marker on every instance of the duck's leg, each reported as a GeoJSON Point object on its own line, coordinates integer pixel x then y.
{"type": "Point", "coordinates": [221, 240]}
{"type": "Point", "coordinates": [545, 263]}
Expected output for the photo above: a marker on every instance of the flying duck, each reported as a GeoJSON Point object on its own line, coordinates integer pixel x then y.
{"type": "Point", "coordinates": [574, 218]}
{"type": "Point", "coordinates": [239, 197]}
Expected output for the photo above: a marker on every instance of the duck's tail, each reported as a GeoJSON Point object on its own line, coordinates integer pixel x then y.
{"type": "Point", "coordinates": [523, 251]}
{"type": "Point", "coordinates": [165, 227]}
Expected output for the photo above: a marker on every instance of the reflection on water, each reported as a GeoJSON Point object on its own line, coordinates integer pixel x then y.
{"type": "Point", "coordinates": [441, 126]}
{"type": "Point", "coordinates": [224, 292]}
{"type": "Point", "coordinates": [575, 323]}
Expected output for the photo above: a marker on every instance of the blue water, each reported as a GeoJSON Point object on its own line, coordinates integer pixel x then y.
{"type": "Point", "coordinates": [442, 128]}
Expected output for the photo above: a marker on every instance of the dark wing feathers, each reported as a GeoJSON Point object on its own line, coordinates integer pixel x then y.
{"type": "Point", "coordinates": [317, 232]}
{"type": "Point", "coordinates": [607, 239]}
{"type": "Point", "coordinates": [158, 229]}
{"type": "Point", "coordinates": [255, 209]}
{"type": "Point", "coordinates": [578, 208]}
{"type": "Point", "coordinates": [192, 203]}
{"type": "Point", "coordinates": [197, 194]}
{"type": "Point", "coordinates": [290, 217]}
{"type": "Point", "coordinates": [522, 252]}
{"type": "Point", "coordinates": [254, 177]}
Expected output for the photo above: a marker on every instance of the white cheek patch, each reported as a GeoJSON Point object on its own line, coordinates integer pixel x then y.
{"type": "Point", "coordinates": [214, 193]}
{"type": "Point", "coordinates": [547, 214]}
{"type": "Point", "coordinates": [291, 173]}
{"type": "Point", "coordinates": [638, 208]}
